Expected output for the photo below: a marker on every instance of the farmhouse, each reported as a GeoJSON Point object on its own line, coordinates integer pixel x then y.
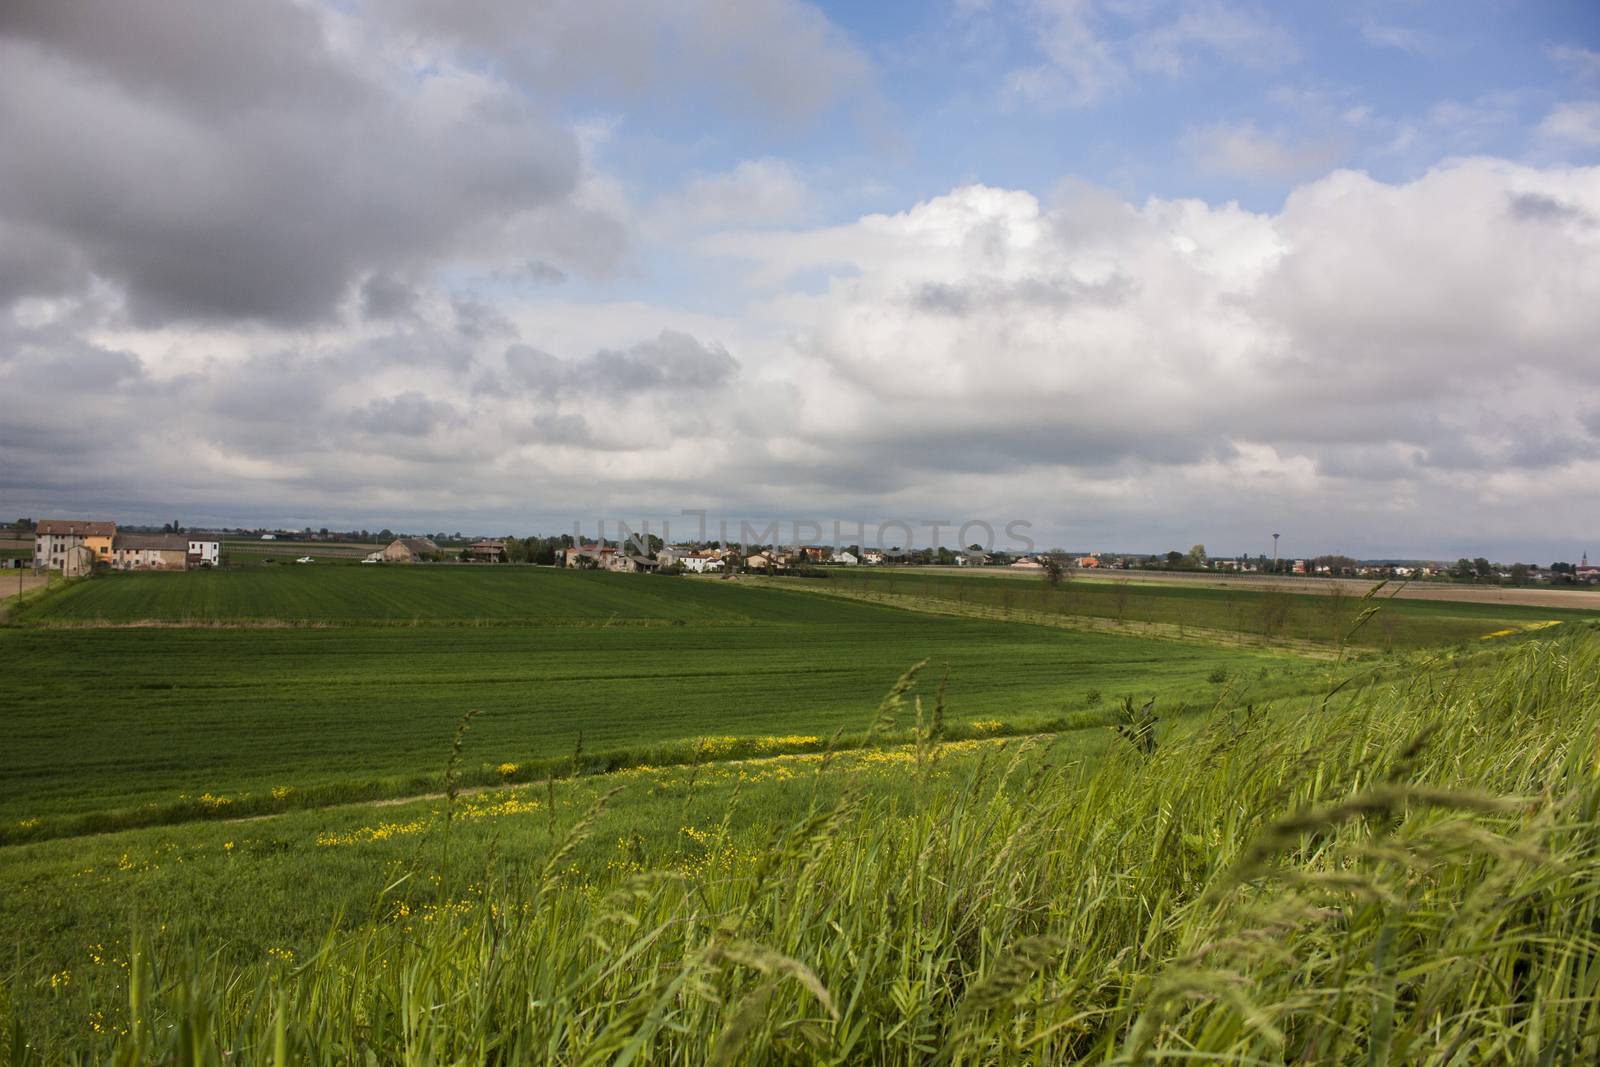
{"type": "Point", "coordinates": [702, 561]}
{"type": "Point", "coordinates": [490, 551]}
{"type": "Point", "coordinates": [54, 538]}
{"type": "Point", "coordinates": [845, 558]}
{"type": "Point", "coordinates": [204, 552]}
{"type": "Point", "coordinates": [410, 550]}
{"type": "Point", "coordinates": [603, 558]}
{"type": "Point", "coordinates": [150, 552]}
{"type": "Point", "coordinates": [1028, 563]}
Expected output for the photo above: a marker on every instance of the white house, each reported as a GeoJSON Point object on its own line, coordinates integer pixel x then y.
{"type": "Point", "coordinates": [700, 562]}
{"type": "Point", "coordinates": [269, 537]}
{"type": "Point", "coordinates": [845, 558]}
{"type": "Point", "coordinates": [204, 553]}
{"type": "Point", "coordinates": [872, 557]}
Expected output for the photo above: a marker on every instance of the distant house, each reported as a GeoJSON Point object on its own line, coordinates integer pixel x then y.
{"type": "Point", "coordinates": [701, 562]}
{"type": "Point", "coordinates": [872, 558]}
{"type": "Point", "coordinates": [490, 551]}
{"type": "Point", "coordinates": [1089, 562]}
{"type": "Point", "coordinates": [410, 550]}
{"type": "Point", "coordinates": [204, 552]}
{"type": "Point", "coordinates": [150, 552]}
{"type": "Point", "coordinates": [758, 561]}
{"type": "Point", "coordinates": [269, 537]}
{"type": "Point", "coordinates": [845, 558]}
{"type": "Point", "coordinates": [1028, 563]}
{"type": "Point", "coordinates": [54, 538]}
{"type": "Point", "coordinates": [814, 554]}
{"type": "Point", "coordinates": [603, 558]}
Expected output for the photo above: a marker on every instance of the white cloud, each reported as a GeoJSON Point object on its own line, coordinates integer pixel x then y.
{"type": "Point", "coordinates": [1400, 38]}
{"type": "Point", "coordinates": [756, 192]}
{"type": "Point", "coordinates": [1582, 63]}
{"type": "Point", "coordinates": [1089, 48]}
{"type": "Point", "coordinates": [1368, 355]}
{"type": "Point", "coordinates": [1574, 123]}
{"type": "Point", "coordinates": [774, 60]}
{"type": "Point", "coordinates": [1080, 66]}
{"type": "Point", "coordinates": [1205, 30]}
{"type": "Point", "coordinates": [1241, 150]}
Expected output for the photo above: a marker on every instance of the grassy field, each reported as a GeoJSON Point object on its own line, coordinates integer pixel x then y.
{"type": "Point", "coordinates": [119, 725]}
{"type": "Point", "coordinates": [229, 807]}
{"type": "Point", "coordinates": [1402, 871]}
{"type": "Point", "coordinates": [397, 594]}
{"type": "Point", "coordinates": [324, 549]}
{"type": "Point", "coordinates": [1242, 614]}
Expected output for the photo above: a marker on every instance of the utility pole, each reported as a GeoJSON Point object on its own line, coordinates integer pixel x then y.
{"type": "Point", "coordinates": [1274, 553]}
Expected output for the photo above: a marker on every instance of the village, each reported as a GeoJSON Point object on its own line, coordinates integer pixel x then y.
{"type": "Point", "coordinates": [79, 547]}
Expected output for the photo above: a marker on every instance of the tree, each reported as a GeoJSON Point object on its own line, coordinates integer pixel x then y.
{"type": "Point", "coordinates": [1462, 569]}
{"type": "Point", "coordinates": [1197, 556]}
{"type": "Point", "coordinates": [1481, 566]}
{"type": "Point", "coordinates": [1519, 573]}
{"type": "Point", "coordinates": [1336, 565]}
{"type": "Point", "coordinates": [1174, 558]}
{"type": "Point", "coordinates": [1053, 571]}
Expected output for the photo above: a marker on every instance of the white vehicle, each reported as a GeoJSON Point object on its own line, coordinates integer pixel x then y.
{"type": "Point", "coordinates": [305, 559]}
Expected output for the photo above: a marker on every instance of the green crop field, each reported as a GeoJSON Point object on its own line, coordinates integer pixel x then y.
{"type": "Point", "coordinates": [1402, 871]}
{"type": "Point", "coordinates": [1244, 614]}
{"type": "Point", "coordinates": [154, 717]}
{"type": "Point", "coordinates": [240, 803]}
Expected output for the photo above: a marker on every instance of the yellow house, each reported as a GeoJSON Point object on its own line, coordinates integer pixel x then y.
{"type": "Point", "coordinates": [53, 537]}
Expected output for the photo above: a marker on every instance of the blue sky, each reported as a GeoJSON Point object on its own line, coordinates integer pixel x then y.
{"type": "Point", "coordinates": [1140, 272]}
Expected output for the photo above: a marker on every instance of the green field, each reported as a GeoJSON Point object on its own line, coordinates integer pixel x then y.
{"type": "Point", "coordinates": [229, 806]}
{"type": "Point", "coordinates": [401, 594]}
{"type": "Point", "coordinates": [636, 664]}
{"type": "Point", "coordinates": [1361, 876]}
{"type": "Point", "coordinates": [1238, 613]}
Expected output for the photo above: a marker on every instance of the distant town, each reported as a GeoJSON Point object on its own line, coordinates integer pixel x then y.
{"type": "Point", "coordinates": [78, 547]}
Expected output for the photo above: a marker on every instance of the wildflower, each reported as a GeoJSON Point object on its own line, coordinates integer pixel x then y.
{"type": "Point", "coordinates": [282, 792]}
{"type": "Point", "coordinates": [60, 980]}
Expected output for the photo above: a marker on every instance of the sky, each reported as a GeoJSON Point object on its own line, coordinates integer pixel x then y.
{"type": "Point", "coordinates": [1137, 273]}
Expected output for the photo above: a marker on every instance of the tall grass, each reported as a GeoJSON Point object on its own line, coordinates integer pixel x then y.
{"type": "Point", "coordinates": [1407, 872]}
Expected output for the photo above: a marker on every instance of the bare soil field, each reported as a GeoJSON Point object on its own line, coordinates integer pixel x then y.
{"type": "Point", "coordinates": [1580, 599]}
{"type": "Point", "coordinates": [9, 582]}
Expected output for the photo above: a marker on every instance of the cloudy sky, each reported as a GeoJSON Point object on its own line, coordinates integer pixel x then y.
{"type": "Point", "coordinates": [1140, 272]}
